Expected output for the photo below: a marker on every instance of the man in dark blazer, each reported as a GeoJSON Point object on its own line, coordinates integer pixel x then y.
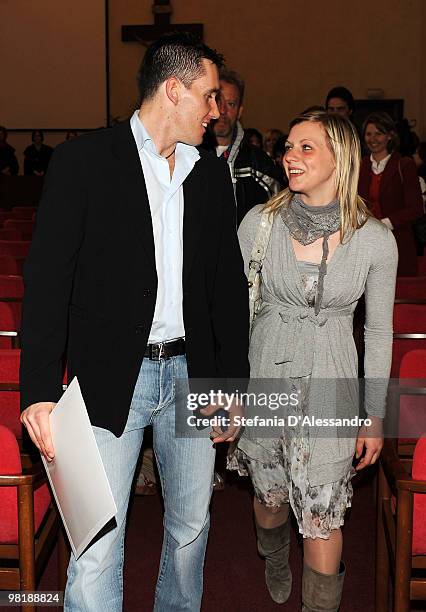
{"type": "Point", "coordinates": [135, 272]}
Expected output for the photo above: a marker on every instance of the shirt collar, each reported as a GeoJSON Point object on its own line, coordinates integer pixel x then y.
{"type": "Point", "coordinates": [378, 167]}
{"type": "Point", "coordinates": [143, 139]}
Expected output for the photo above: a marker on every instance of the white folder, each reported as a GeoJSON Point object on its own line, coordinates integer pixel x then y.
{"type": "Point", "coordinates": [77, 475]}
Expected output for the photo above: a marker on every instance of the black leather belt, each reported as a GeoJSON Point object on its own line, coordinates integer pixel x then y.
{"type": "Point", "coordinates": [165, 350]}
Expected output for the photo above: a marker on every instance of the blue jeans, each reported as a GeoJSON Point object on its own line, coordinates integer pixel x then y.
{"type": "Point", "coordinates": [185, 465]}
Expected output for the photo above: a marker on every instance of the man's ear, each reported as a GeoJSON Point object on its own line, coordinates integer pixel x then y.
{"type": "Point", "coordinates": [173, 86]}
{"type": "Point", "coordinates": [240, 112]}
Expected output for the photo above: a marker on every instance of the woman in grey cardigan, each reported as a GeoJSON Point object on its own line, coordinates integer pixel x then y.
{"type": "Point", "coordinates": [324, 252]}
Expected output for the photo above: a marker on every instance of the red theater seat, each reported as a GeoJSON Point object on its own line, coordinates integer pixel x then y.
{"type": "Point", "coordinates": [412, 400]}
{"type": "Point", "coordinates": [411, 287]}
{"type": "Point", "coordinates": [11, 286]}
{"type": "Point", "coordinates": [16, 248]}
{"type": "Point", "coordinates": [23, 212]}
{"type": "Point", "coordinates": [10, 324]}
{"type": "Point", "coordinates": [30, 524]}
{"type": "Point", "coordinates": [401, 528]}
{"type": "Point", "coordinates": [10, 265]}
{"type": "Point", "coordinates": [409, 326]}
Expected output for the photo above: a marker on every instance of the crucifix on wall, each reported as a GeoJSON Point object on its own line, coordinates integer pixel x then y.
{"type": "Point", "coordinates": [146, 34]}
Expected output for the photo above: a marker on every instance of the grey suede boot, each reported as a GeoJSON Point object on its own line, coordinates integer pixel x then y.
{"type": "Point", "coordinates": [274, 545]}
{"type": "Point", "coordinates": [321, 592]}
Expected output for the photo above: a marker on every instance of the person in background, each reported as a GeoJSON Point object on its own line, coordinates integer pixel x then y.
{"type": "Point", "coordinates": [340, 101]}
{"type": "Point", "coordinates": [390, 186]}
{"type": "Point", "coordinates": [71, 134]}
{"type": "Point", "coordinates": [278, 155]}
{"type": "Point", "coordinates": [419, 158]}
{"type": "Point", "coordinates": [253, 173]}
{"type": "Point", "coordinates": [37, 155]}
{"type": "Point", "coordinates": [271, 137]}
{"type": "Point", "coordinates": [8, 162]}
{"type": "Point", "coordinates": [253, 137]}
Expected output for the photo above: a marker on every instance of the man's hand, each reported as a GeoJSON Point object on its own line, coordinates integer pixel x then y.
{"type": "Point", "coordinates": [370, 438]}
{"type": "Point", "coordinates": [230, 434]}
{"type": "Point", "coordinates": [36, 420]}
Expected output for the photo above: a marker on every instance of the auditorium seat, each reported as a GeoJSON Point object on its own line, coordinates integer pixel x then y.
{"type": "Point", "coordinates": [24, 226]}
{"type": "Point", "coordinates": [411, 403]}
{"type": "Point", "coordinates": [16, 248]}
{"type": "Point", "coordinates": [11, 286]}
{"type": "Point", "coordinates": [401, 528]}
{"type": "Point", "coordinates": [409, 326]}
{"type": "Point", "coordinates": [10, 265]}
{"type": "Point", "coordinates": [4, 214]}
{"type": "Point", "coordinates": [9, 365]}
{"type": "Point", "coordinates": [30, 525]}
{"type": "Point", "coordinates": [410, 288]}
{"type": "Point", "coordinates": [10, 324]}
{"type": "Point", "coordinates": [23, 212]}
{"type": "Point", "coordinates": [11, 233]}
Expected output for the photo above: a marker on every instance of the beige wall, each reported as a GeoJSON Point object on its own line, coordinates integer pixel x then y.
{"type": "Point", "coordinates": [291, 53]}
{"type": "Point", "coordinates": [53, 72]}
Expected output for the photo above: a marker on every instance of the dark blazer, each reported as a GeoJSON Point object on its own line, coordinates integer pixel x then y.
{"type": "Point", "coordinates": [401, 201]}
{"type": "Point", "coordinates": [91, 282]}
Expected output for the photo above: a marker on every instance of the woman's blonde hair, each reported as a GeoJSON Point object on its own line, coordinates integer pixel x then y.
{"type": "Point", "coordinates": [344, 144]}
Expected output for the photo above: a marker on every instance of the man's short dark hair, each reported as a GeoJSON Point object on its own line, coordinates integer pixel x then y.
{"type": "Point", "coordinates": [233, 78]}
{"type": "Point", "coordinates": [343, 94]}
{"type": "Point", "coordinates": [177, 55]}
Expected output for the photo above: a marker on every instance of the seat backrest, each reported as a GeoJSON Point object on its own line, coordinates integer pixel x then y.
{"type": "Point", "coordinates": [25, 211]}
{"type": "Point", "coordinates": [11, 286]}
{"type": "Point", "coordinates": [10, 265]}
{"type": "Point", "coordinates": [419, 512]}
{"type": "Point", "coordinates": [10, 323]}
{"type": "Point", "coordinates": [11, 233]}
{"type": "Point", "coordinates": [22, 212]}
{"type": "Point", "coordinates": [5, 214]}
{"type": "Point", "coordinates": [19, 224]}
{"type": "Point", "coordinates": [9, 365]}
{"type": "Point", "coordinates": [14, 247]}
{"type": "Point", "coordinates": [10, 464]}
{"type": "Point", "coordinates": [411, 287]}
{"type": "Point", "coordinates": [413, 364]}
{"type": "Point", "coordinates": [10, 412]}
{"type": "Point", "coordinates": [412, 412]}
{"type": "Point", "coordinates": [409, 318]}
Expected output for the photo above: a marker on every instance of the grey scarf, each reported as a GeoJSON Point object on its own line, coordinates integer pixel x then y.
{"type": "Point", "coordinates": [308, 223]}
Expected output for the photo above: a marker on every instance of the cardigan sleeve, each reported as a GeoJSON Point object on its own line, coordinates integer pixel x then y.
{"type": "Point", "coordinates": [378, 334]}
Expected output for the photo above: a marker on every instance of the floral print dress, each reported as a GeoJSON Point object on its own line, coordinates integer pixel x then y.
{"type": "Point", "coordinates": [279, 473]}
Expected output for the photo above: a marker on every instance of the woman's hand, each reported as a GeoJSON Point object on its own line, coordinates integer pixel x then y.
{"type": "Point", "coordinates": [234, 428]}
{"type": "Point", "coordinates": [369, 439]}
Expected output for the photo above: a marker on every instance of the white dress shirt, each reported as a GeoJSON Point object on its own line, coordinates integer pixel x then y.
{"type": "Point", "coordinates": [378, 168]}
{"type": "Point", "coordinates": [166, 202]}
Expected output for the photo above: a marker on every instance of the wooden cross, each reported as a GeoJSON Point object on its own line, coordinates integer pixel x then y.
{"type": "Point", "coordinates": [148, 33]}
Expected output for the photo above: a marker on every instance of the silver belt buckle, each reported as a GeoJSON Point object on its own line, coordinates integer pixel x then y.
{"type": "Point", "coordinates": [157, 351]}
